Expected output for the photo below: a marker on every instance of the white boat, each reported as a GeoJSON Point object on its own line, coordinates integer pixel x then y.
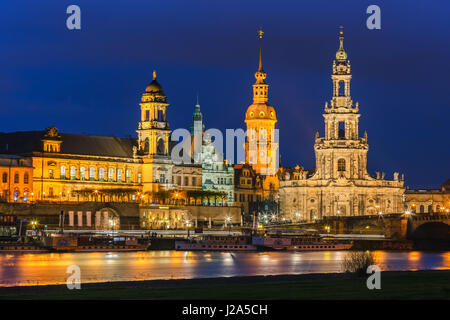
{"type": "Point", "coordinates": [216, 243]}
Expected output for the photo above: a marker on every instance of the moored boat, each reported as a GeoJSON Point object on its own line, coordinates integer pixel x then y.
{"type": "Point", "coordinates": [307, 242]}
{"type": "Point", "coordinates": [216, 243]}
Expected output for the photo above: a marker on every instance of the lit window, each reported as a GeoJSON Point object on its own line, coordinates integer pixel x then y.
{"type": "Point", "coordinates": [50, 173]}
{"type": "Point", "coordinates": [119, 175]}
{"type": "Point", "coordinates": [110, 174]}
{"type": "Point", "coordinates": [72, 172]}
{"type": "Point", "coordinates": [91, 173]}
{"type": "Point", "coordinates": [128, 174]}
{"type": "Point", "coordinates": [101, 174]}
{"type": "Point", "coordinates": [63, 172]}
{"type": "Point", "coordinates": [139, 177]}
{"type": "Point", "coordinates": [341, 165]}
{"type": "Point", "coordinates": [82, 173]}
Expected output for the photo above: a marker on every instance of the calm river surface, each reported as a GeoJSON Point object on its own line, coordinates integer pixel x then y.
{"type": "Point", "coordinates": [50, 268]}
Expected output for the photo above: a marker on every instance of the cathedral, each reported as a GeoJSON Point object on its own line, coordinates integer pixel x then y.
{"type": "Point", "coordinates": [340, 184]}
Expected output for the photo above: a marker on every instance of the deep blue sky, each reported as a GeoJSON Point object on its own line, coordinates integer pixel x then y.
{"type": "Point", "coordinates": [90, 81]}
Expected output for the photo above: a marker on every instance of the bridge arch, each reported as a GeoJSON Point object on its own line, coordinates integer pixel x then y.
{"type": "Point", "coordinates": [433, 230]}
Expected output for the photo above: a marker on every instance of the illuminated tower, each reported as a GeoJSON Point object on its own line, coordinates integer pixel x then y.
{"type": "Point", "coordinates": [153, 132]}
{"type": "Point", "coordinates": [197, 133]}
{"type": "Point", "coordinates": [153, 138]}
{"type": "Point", "coordinates": [261, 147]}
{"type": "Point", "coordinates": [341, 153]}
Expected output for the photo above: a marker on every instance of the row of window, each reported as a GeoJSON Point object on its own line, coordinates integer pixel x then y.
{"type": "Point", "coordinates": [242, 198]}
{"type": "Point", "coordinates": [93, 173]}
{"type": "Point", "coordinates": [246, 181]}
{"type": "Point", "coordinates": [17, 196]}
{"type": "Point", "coordinates": [177, 180]}
{"type": "Point", "coordinates": [26, 178]}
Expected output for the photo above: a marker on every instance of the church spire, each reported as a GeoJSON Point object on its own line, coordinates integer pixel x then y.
{"type": "Point", "coordinates": [260, 75]}
{"type": "Point", "coordinates": [260, 34]}
{"type": "Point", "coordinates": [341, 55]}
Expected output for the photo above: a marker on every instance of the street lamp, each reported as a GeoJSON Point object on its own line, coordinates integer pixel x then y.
{"type": "Point", "coordinates": [228, 222]}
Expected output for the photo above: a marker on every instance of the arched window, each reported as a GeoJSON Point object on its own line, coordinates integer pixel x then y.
{"type": "Point", "coordinates": [110, 174]}
{"type": "Point", "coordinates": [422, 209]}
{"type": "Point", "coordinates": [119, 175]}
{"type": "Point", "coordinates": [341, 165]}
{"type": "Point", "coordinates": [26, 178]}
{"type": "Point", "coordinates": [128, 175]}
{"type": "Point", "coordinates": [160, 149]}
{"type": "Point", "coordinates": [92, 173]}
{"type": "Point", "coordinates": [63, 172]}
{"type": "Point", "coordinates": [82, 173]}
{"type": "Point", "coordinates": [16, 195]}
{"type": "Point", "coordinates": [430, 208]}
{"type": "Point", "coordinates": [16, 178]}
{"type": "Point", "coordinates": [101, 174]}
{"type": "Point", "coordinates": [5, 177]}
{"type": "Point", "coordinates": [72, 173]}
{"type": "Point", "coordinates": [146, 146]}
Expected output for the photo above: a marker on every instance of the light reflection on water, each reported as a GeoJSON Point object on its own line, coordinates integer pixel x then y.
{"type": "Point", "coordinates": [50, 268]}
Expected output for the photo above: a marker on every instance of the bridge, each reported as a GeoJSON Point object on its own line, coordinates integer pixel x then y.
{"type": "Point", "coordinates": [393, 226]}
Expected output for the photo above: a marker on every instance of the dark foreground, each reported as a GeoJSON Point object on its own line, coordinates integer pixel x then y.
{"type": "Point", "coordinates": [394, 285]}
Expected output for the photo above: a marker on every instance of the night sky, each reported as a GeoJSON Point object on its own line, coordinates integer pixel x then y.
{"type": "Point", "coordinates": [91, 80]}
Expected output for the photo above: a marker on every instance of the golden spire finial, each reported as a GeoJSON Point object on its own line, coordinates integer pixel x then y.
{"type": "Point", "coordinates": [154, 74]}
{"type": "Point", "coordinates": [260, 34]}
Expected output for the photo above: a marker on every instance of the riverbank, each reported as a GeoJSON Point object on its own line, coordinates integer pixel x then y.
{"type": "Point", "coordinates": [394, 285]}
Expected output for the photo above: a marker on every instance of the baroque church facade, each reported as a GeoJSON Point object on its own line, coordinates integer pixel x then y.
{"type": "Point", "coordinates": [340, 184]}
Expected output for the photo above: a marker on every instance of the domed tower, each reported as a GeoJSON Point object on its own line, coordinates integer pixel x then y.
{"type": "Point", "coordinates": [153, 139]}
{"type": "Point", "coordinates": [261, 147]}
{"type": "Point", "coordinates": [153, 131]}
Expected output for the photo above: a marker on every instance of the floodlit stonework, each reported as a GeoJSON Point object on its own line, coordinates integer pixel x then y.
{"type": "Point", "coordinates": [340, 184]}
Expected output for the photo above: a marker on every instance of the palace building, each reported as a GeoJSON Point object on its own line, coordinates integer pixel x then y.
{"type": "Point", "coordinates": [340, 184]}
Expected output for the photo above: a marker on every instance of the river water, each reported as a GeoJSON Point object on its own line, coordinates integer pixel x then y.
{"type": "Point", "coordinates": [50, 268]}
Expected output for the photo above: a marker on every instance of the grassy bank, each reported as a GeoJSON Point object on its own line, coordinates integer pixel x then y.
{"type": "Point", "coordinates": [394, 285]}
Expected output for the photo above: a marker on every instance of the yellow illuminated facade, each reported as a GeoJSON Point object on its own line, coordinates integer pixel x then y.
{"type": "Point", "coordinates": [260, 118]}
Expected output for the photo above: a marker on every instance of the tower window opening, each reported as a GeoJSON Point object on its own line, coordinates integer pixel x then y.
{"type": "Point", "coordinates": [341, 130]}
{"type": "Point", "coordinates": [341, 165]}
{"type": "Point", "coordinates": [146, 146]}
{"type": "Point", "coordinates": [160, 116]}
{"type": "Point", "coordinates": [341, 88]}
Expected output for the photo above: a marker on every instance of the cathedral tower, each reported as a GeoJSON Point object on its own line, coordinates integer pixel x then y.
{"type": "Point", "coordinates": [341, 153]}
{"type": "Point", "coordinates": [261, 147]}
